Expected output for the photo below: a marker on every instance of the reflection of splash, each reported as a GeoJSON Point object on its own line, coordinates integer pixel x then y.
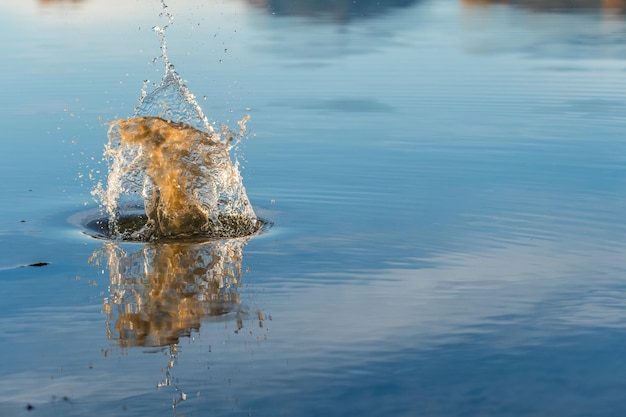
{"type": "Point", "coordinates": [557, 5]}
{"type": "Point", "coordinates": [162, 292]}
{"type": "Point", "coordinates": [339, 9]}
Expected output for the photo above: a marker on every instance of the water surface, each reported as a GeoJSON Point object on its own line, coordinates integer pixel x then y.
{"type": "Point", "coordinates": [447, 186]}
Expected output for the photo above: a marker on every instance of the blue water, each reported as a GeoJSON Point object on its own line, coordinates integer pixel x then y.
{"type": "Point", "coordinates": [446, 180]}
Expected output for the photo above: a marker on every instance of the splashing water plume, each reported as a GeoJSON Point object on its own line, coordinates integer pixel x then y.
{"type": "Point", "coordinates": [170, 174]}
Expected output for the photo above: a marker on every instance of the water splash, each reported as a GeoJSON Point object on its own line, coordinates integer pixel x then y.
{"type": "Point", "coordinates": [171, 99]}
{"type": "Point", "coordinates": [170, 174]}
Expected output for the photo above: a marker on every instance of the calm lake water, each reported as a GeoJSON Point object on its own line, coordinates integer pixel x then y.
{"type": "Point", "coordinates": [446, 180]}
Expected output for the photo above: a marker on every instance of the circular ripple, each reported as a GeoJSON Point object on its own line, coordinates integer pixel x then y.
{"type": "Point", "coordinates": [129, 226]}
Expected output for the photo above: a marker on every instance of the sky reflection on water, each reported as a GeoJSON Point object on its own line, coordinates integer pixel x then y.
{"type": "Point", "coordinates": [447, 182]}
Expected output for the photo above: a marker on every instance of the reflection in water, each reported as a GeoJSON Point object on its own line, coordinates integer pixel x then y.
{"type": "Point", "coordinates": [161, 292]}
{"type": "Point", "coordinates": [338, 9]}
{"type": "Point", "coordinates": [615, 6]}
